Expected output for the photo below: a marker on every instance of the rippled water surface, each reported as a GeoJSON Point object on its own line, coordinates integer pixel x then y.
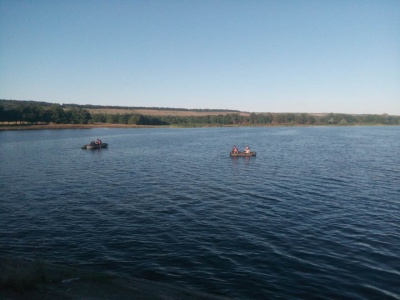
{"type": "Point", "coordinates": [316, 214]}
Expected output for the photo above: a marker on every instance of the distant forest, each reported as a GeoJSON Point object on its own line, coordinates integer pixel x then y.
{"type": "Point", "coordinates": [33, 112]}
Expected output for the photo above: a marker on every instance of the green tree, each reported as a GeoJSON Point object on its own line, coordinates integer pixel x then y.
{"type": "Point", "coordinates": [278, 118]}
{"type": "Point", "coordinates": [301, 118]}
{"type": "Point", "coordinates": [253, 118]}
{"type": "Point", "coordinates": [134, 119]}
{"type": "Point", "coordinates": [58, 115]}
{"type": "Point", "coordinates": [3, 114]}
{"type": "Point", "coordinates": [112, 119]}
{"type": "Point", "coordinates": [99, 118]}
{"type": "Point", "coordinates": [32, 113]}
{"type": "Point", "coordinates": [310, 119]}
{"type": "Point", "coordinates": [123, 119]}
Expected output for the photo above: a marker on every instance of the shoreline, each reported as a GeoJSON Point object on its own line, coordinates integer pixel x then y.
{"type": "Point", "coordinates": [26, 279]}
{"type": "Point", "coordinates": [70, 126]}
{"type": "Point", "coordinates": [109, 125]}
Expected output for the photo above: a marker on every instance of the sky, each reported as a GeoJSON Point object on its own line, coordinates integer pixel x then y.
{"type": "Point", "coordinates": [312, 56]}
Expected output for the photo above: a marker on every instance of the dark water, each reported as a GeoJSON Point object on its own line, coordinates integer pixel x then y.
{"type": "Point", "coordinates": [315, 215]}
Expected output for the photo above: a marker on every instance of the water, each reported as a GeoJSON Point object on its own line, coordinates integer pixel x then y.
{"type": "Point", "coordinates": [315, 214]}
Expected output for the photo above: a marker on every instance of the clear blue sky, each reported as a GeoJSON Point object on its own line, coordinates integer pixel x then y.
{"type": "Point", "coordinates": [340, 56]}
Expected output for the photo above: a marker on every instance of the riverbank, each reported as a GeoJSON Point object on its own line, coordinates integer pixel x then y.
{"type": "Point", "coordinates": [69, 126]}
{"type": "Point", "coordinates": [25, 279]}
{"type": "Point", "coordinates": [109, 125]}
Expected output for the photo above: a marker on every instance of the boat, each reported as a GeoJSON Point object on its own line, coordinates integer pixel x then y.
{"type": "Point", "coordinates": [243, 154]}
{"type": "Point", "coordinates": [93, 146]}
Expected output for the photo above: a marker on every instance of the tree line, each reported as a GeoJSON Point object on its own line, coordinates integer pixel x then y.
{"type": "Point", "coordinates": [253, 119]}
{"type": "Point", "coordinates": [29, 112]}
{"type": "Point", "coordinates": [35, 114]}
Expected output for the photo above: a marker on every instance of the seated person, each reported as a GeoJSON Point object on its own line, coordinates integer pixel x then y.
{"type": "Point", "coordinates": [235, 150]}
{"type": "Point", "coordinates": [247, 150]}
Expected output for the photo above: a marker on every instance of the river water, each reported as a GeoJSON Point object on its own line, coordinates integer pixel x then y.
{"type": "Point", "coordinates": [316, 214]}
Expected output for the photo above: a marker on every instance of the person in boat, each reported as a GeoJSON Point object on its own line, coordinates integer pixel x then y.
{"type": "Point", "coordinates": [235, 149]}
{"type": "Point", "coordinates": [92, 143]}
{"type": "Point", "coordinates": [98, 142]}
{"type": "Point", "coordinates": [247, 150]}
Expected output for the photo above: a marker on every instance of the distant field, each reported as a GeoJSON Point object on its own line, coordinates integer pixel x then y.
{"type": "Point", "coordinates": [157, 112]}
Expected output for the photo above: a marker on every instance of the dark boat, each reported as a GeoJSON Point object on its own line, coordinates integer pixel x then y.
{"type": "Point", "coordinates": [93, 146]}
{"type": "Point", "coordinates": [243, 154]}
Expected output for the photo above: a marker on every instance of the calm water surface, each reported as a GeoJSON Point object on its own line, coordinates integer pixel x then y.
{"type": "Point", "coordinates": [315, 215]}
